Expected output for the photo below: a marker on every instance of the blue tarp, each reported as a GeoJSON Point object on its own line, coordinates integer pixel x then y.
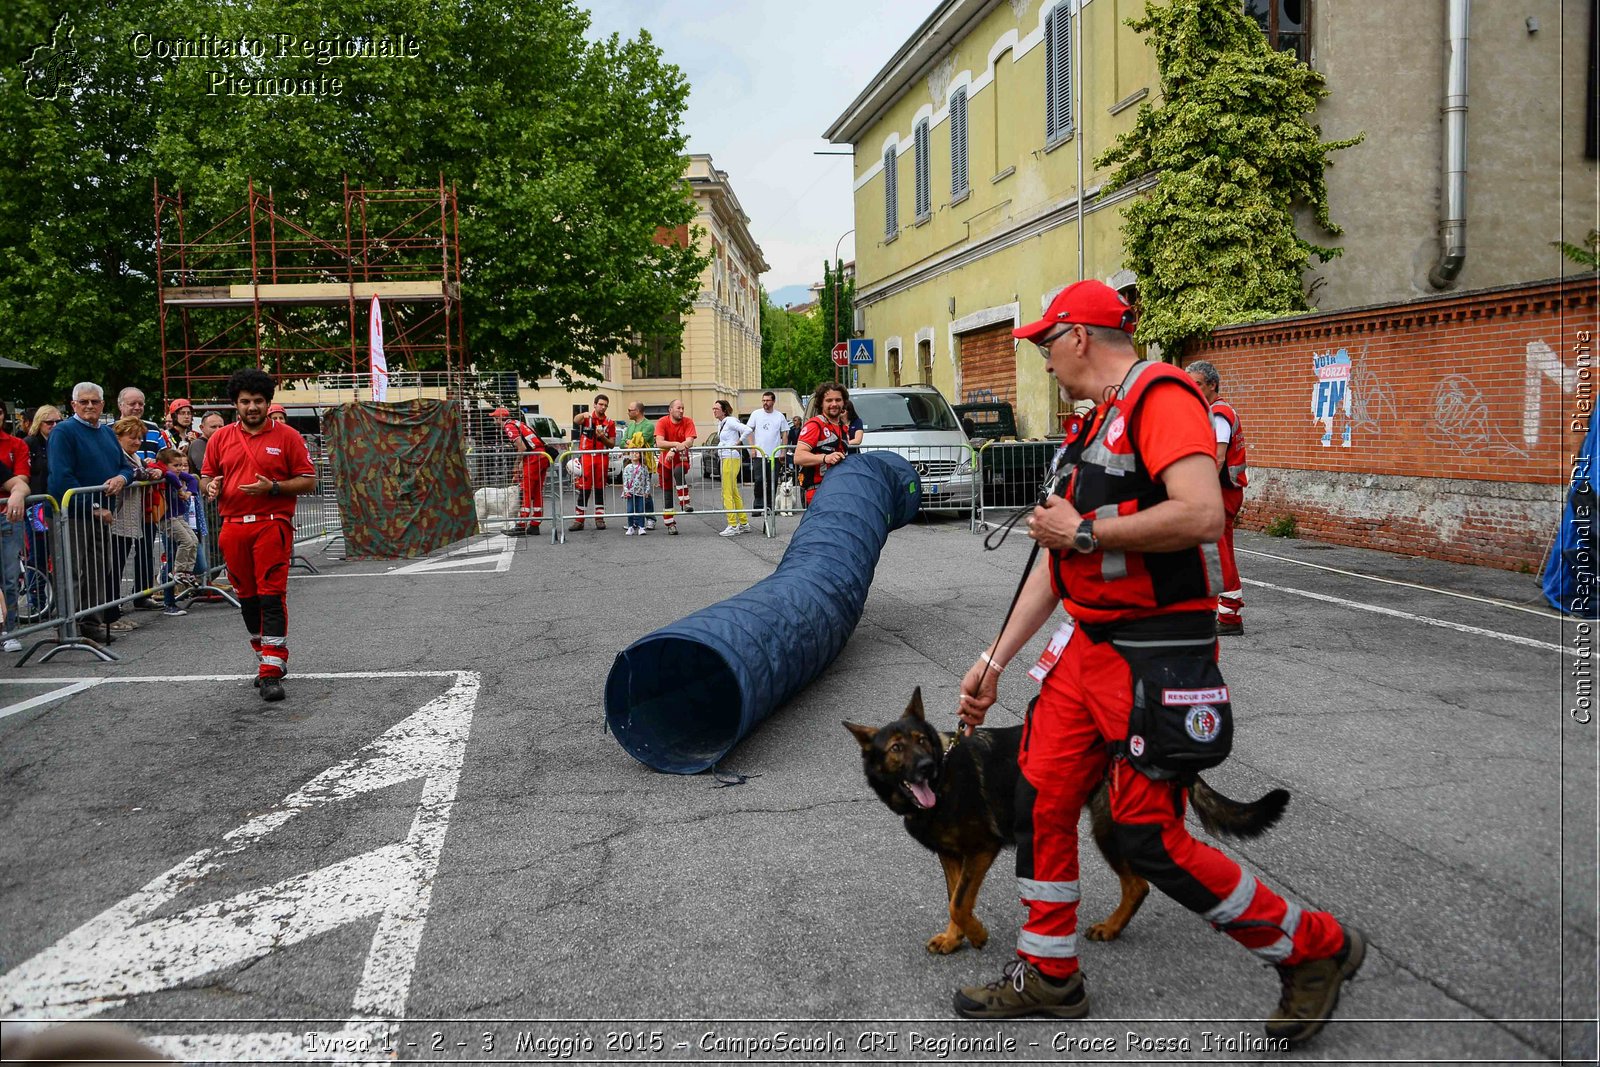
{"type": "Point", "coordinates": [1569, 574]}
{"type": "Point", "coordinates": [678, 699]}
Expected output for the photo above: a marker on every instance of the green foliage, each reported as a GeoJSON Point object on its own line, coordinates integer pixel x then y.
{"type": "Point", "coordinates": [1586, 255]}
{"type": "Point", "coordinates": [1232, 150]}
{"type": "Point", "coordinates": [566, 154]}
{"type": "Point", "coordinates": [1282, 526]}
{"type": "Point", "coordinates": [793, 349]}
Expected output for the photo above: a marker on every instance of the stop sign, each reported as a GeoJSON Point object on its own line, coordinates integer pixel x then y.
{"type": "Point", "coordinates": [841, 354]}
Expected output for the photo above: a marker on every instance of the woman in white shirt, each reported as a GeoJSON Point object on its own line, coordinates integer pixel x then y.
{"type": "Point", "coordinates": [730, 432]}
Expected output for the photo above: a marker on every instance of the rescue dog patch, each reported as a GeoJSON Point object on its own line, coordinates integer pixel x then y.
{"type": "Point", "coordinates": [1202, 723]}
{"type": "Point", "coordinates": [1217, 695]}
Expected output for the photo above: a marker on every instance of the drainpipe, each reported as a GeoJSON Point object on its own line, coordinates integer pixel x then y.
{"type": "Point", "coordinates": [1453, 202]}
{"type": "Point", "coordinates": [1078, 132]}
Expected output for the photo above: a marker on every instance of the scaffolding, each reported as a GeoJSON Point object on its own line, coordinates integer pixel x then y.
{"type": "Point", "coordinates": [263, 287]}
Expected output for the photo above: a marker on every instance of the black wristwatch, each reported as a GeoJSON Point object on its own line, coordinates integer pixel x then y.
{"type": "Point", "coordinates": [1084, 540]}
{"type": "Point", "coordinates": [275, 489]}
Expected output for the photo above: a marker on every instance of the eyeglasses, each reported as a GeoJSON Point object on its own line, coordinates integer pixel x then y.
{"type": "Point", "coordinates": [91, 400]}
{"type": "Point", "coordinates": [1043, 344]}
{"type": "Point", "coordinates": [49, 422]}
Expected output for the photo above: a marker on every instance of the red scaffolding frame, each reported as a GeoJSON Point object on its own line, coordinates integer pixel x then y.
{"type": "Point", "coordinates": [262, 287]}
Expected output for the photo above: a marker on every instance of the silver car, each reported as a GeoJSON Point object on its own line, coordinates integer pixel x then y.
{"type": "Point", "coordinates": [917, 422]}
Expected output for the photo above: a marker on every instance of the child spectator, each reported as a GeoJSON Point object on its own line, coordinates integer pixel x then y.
{"type": "Point", "coordinates": [635, 489]}
{"type": "Point", "coordinates": [139, 505]}
{"type": "Point", "coordinates": [182, 524]}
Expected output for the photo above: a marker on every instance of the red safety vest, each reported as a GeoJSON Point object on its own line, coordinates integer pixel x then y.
{"type": "Point", "coordinates": [1234, 474]}
{"type": "Point", "coordinates": [1109, 478]}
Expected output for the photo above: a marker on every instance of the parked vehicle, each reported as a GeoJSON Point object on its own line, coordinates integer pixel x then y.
{"type": "Point", "coordinates": [1013, 472]}
{"type": "Point", "coordinates": [917, 422]}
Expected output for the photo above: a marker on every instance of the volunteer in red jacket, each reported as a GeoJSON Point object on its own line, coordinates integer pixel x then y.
{"type": "Point", "coordinates": [535, 464]}
{"type": "Point", "coordinates": [824, 439]}
{"type": "Point", "coordinates": [254, 468]}
{"type": "Point", "coordinates": [1131, 531]}
{"type": "Point", "coordinates": [596, 434]}
{"type": "Point", "coordinates": [1234, 475]}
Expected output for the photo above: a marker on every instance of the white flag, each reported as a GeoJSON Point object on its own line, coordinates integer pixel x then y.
{"type": "Point", "coordinates": [380, 367]}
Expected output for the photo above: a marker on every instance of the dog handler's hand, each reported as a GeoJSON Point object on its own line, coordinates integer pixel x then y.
{"type": "Point", "coordinates": [1054, 524]}
{"type": "Point", "coordinates": [979, 690]}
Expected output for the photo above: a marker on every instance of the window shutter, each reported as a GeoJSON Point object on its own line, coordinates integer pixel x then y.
{"type": "Point", "coordinates": [924, 192]}
{"type": "Point", "coordinates": [958, 142]}
{"type": "Point", "coordinates": [1058, 74]}
{"type": "Point", "coordinates": [891, 194]}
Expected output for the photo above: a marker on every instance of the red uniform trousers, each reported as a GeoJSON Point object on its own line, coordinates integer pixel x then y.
{"type": "Point", "coordinates": [258, 554]}
{"type": "Point", "coordinates": [593, 467]}
{"type": "Point", "coordinates": [1231, 601]}
{"type": "Point", "coordinates": [534, 467]}
{"type": "Point", "coordinates": [673, 471]}
{"type": "Point", "coordinates": [1083, 705]}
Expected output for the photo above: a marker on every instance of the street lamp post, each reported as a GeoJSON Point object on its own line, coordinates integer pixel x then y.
{"type": "Point", "coordinates": [838, 269]}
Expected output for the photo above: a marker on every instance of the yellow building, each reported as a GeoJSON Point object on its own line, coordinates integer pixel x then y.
{"type": "Point", "coordinates": [971, 148]}
{"type": "Point", "coordinates": [720, 355]}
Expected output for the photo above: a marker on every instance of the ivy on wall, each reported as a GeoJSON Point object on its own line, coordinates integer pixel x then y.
{"type": "Point", "coordinates": [1233, 151]}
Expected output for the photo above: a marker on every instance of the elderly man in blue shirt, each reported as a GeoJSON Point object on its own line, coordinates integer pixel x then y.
{"type": "Point", "coordinates": [85, 455]}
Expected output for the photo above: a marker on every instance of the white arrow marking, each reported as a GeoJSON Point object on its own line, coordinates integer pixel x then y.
{"type": "Point", "coordinates": [122, 952]}
{"type": "Point", "coordinates": [472, 555]}
{"type": "Point", "coordinates": [45, 698]}
{"type": "Point", "coordinates": [1542, 363]}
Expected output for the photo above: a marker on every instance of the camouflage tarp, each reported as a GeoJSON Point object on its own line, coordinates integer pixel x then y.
{"type": "Point", "coordinates": [401, 477]}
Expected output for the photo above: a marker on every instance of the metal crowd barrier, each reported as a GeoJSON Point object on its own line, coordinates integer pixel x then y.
{"type": "Point", "coordinates": [1011, 476]}
{"type": "Point", "coordinates": [949, 476]}
{"type": "Point", "coordinates": [702, 481]}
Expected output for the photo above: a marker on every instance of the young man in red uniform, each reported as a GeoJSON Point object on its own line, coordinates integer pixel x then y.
{"type": "Point", "coordinates": [596, 433]}
{"type": "Point", "coordinates": [535, 463]}
{"type": "Point", "coordinates": [675, 435]}
{"type": "Point", "coordinates": [1234, 475]}
{"type": "Point", "coordinates": [254, 468]}
{"type": "Point", "coordinates": [1131, 550]}
{"type": "Point", "coordinates": [824, 438]}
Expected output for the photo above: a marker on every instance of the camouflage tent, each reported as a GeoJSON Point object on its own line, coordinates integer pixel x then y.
{"type": "Point", "coordinates": [401, 477]}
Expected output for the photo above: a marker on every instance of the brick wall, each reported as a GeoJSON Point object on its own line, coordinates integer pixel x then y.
{"type": "Point", "coordinates": [1442, 427]}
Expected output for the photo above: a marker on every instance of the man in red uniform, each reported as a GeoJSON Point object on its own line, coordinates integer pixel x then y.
{"type": "Point", "coordinates": [1234, 475]}
{"type": "Point", "coordinates": [824, 439]}
{"type": "Point", "coordinates": [595, 433]}
{"type": "Point", "coordinates": [675, 434]}
{"type": "Point", "coordinates": [254, 468]}
{"type": "Point", "coordinates": [1131, 546]}
{"type": "Point", "coordinates": [535, 464]}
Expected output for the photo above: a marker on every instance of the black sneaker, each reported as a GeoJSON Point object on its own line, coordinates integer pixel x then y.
{"type": "Point", "coordinates": [516, 531]}
{"type": "Point", "coordinates": [271, 689]}
{"type": "Point", "coordinates": [1022, 990]}
{"type": "Point", "coordinates": [1311, 990]}
{"type": "Point", "coordinates": [1229, 625]}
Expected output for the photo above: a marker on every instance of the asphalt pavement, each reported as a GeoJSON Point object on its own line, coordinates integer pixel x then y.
{"type": "Point", "coordinates": [433, 848]}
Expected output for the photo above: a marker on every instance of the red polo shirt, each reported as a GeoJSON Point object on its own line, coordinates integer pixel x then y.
{"type": "Point", "coordinates": [238, 457]}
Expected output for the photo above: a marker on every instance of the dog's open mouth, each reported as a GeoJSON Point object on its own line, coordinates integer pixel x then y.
{"type": "Point", "coordinates": [921, 793]}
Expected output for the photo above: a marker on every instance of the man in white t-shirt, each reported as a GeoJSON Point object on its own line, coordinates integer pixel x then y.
{"type": "Point", "coordinates": [768, 428]}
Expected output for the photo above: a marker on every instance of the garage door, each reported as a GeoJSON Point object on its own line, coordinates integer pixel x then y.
{"type": "Point", "coordinates": [988, 365]}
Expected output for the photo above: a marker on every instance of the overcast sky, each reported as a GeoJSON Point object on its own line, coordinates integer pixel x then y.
{"type": "Point", "coordinates": [766, 78]}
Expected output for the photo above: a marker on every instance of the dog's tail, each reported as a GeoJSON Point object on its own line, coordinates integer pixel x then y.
{"type": "Point", "coordinates": [1221, 815]}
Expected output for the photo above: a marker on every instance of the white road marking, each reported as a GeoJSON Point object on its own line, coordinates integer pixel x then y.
{"type": "Point", "coordinates": [1541, 612]}
{"type": "Point", "coordinates": [1408, 616]}
{"type": "Point", "coordinates": [123, 952]}
{"type": "Point", "coordinates": [45, 698]}
{"type": "Point", "coordinates": [471, 558]}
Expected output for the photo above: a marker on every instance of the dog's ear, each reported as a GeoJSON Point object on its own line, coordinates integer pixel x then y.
{"type": "Point", "coordinates": [864, 734]}
{"type": "Point", "coordinates": [914, 709]}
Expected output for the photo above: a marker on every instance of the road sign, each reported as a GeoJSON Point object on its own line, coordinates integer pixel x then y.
{"type": "Point", "coordinates": [861, 350]}
{"type": "Point", "coordinates": [841, 354]}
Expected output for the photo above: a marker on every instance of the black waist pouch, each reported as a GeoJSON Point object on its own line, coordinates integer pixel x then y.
{"type": "Point", "coordinates": [1181, 721]}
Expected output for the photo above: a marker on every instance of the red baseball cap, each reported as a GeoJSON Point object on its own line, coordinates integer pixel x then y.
{"type": "Point", "coordinates": [178, 405]}
{"type": "Point", "coordinates": [1088, 303]}
{"type": "Point", "coordinates": [499, 413]}
{"type": "Point", "coordinates": [277, 409]}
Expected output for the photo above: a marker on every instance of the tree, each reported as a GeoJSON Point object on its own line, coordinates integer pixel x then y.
{"type": "Point", "coordinates": [837, 324]}
{"type": "Point", "coordinates": [1233, 152]}
{"type": "Point", "coordinates": [1586, 255]}
{"type": "Point", "coordinates": [566, 153]}
{"type": "Point", "coordinates": [792, 349]}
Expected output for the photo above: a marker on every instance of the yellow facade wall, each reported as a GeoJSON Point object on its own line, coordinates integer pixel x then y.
{"type": "Point", "coordinates": [1016, 228]}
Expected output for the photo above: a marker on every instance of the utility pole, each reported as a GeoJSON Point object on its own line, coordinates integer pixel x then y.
{"type": "Point", "coordinates": [838, 271]}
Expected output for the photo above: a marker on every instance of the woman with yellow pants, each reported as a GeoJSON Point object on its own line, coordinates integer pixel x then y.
{"type": "Point", "coordinates": [730, 432]}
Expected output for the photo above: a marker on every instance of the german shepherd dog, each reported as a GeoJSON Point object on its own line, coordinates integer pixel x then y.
{"type": "Point", "coordinates": [958, 799]}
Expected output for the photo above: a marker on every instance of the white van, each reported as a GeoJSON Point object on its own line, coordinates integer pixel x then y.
{"type": "Point", "coordinates": [917, 422]}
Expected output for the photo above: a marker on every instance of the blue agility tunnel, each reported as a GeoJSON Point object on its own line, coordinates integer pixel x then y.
{"type": "Point", "coordinates": [678, 699]}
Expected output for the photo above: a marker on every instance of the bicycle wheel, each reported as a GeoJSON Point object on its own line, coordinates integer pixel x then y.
{"type": "Point", "coordinates": [36, 597]}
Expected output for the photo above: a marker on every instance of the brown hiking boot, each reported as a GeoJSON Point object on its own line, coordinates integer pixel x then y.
{"type": "Point", "coordinates": [1229, 625]}
{"type": "Point", "coordinates": [599, 524]}
{"type": "Point", "coordinates": [575, 527]}
{"type": "Point", "coordinates": [1022, 990]}
{"type": "Point", "coordinates": [1311, 990]}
